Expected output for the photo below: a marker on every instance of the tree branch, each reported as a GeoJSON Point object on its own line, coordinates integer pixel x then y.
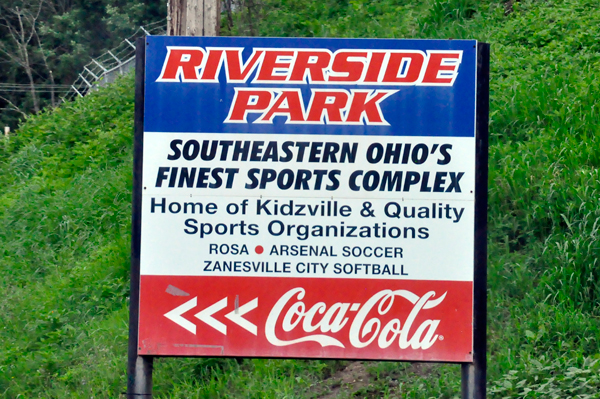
{"type": "Point", "coordinates": [13, 106]}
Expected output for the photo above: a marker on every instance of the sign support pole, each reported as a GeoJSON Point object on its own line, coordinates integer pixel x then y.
{"type": "Point", "coordinates": [474, 374]}
{"type": "Point", "coordinates": [139, 368]}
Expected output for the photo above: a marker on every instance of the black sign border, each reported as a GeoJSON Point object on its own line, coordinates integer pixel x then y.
{"type": "Point", "coordinates": [139, 368]}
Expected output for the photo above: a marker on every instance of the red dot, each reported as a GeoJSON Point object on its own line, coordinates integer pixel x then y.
{"type": "Point", "coordinates": [259, 249]}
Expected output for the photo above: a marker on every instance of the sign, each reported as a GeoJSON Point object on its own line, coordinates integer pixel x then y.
{"type": "Point", "coordinates": [308, 198]}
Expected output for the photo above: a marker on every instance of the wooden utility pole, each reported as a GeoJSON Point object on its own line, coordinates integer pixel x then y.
{"type": "Point", "coordinates": [194, 17]}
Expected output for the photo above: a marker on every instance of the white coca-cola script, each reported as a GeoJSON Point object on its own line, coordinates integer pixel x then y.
{"type": "Point", "coordinates": [364, 330]}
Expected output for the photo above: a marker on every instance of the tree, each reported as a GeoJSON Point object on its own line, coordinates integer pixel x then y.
{"type": "Point", "coordinates": [44, 45]}
{"type": "Point", "coordinates": [20, 22]}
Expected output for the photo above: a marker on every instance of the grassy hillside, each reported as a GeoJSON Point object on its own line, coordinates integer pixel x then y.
{"type": "Point", "coordinates": [65, 213]}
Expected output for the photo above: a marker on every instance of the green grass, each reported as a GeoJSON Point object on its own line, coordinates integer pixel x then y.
{"type": "Point", "coordinates": [65, 192]}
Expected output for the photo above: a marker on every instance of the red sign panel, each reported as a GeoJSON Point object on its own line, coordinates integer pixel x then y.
{"type": "Point", "coordinates": [306, 317]}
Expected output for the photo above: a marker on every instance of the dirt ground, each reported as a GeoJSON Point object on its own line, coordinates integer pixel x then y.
{"type": "Point", "coordinates": [361, 379]}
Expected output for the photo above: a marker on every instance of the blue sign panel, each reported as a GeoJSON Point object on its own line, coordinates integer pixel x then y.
{"type": "Point", "coordinates": [377, 87]}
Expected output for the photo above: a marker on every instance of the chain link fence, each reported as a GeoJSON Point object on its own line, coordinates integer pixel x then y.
{"type": "Point", "coordinates": [112, 63]}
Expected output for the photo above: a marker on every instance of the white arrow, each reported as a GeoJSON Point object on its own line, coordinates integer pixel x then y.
{"type": "Point", "coordinates": [175, 315]}
{"type": "Point", "coordinates": [206, 316]}
{"type": "Point", "coordinates": [236, 316]}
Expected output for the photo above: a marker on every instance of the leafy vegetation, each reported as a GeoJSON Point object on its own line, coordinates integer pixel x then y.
{"type": "Point", "coordinates": [44, 45]}
{"type": "Point", "coordinates": [64, 221]}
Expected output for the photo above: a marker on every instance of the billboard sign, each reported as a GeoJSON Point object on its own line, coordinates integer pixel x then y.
{"type": "Point", "coordinates": [308, 198]}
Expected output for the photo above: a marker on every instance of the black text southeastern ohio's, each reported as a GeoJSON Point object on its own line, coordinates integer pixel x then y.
{"type": "Point", "coordinates": [213, 165]}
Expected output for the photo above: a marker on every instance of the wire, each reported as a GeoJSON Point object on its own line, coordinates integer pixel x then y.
{"type": "Point", "coordinates": [36, 85]}
{"type": "Point", "coordinates": [63, 90]}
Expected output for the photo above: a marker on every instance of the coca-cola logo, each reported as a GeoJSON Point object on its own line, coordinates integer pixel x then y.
{"type": "Point", "coordinates": [291, 314]}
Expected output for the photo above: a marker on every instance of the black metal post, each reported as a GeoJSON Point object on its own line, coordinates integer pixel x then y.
{"type": "Point", "coordinates": [474, 374]}
{"type": "Point", "coordinates": [139, 368]}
